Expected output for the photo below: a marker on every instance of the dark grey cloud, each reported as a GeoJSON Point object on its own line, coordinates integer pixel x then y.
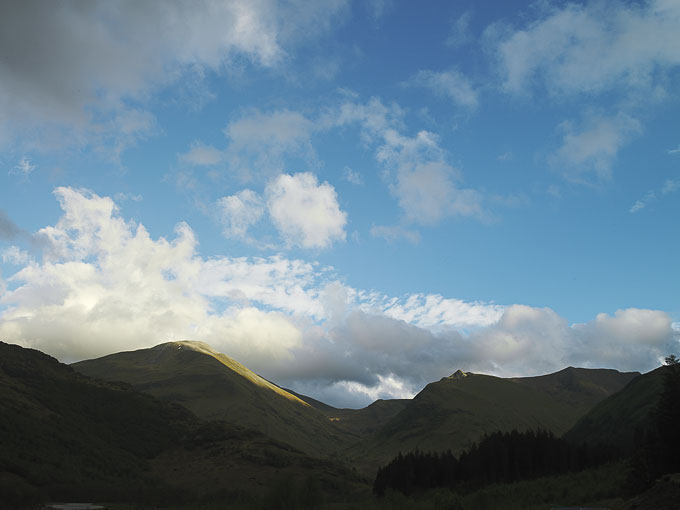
{"type": "Point", "coordinates": [89, 66]}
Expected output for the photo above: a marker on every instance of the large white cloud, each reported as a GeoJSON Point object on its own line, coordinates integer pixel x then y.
{"type": "Point", "coordinates": [87, 66]}
{"type": "Point", "coordinates": [305, 212]}
{"type": "Point", "coordinates": [105, 284]}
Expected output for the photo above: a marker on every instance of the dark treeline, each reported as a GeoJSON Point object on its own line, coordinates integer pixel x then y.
{"type": "Point", "coordinates": [657, 449]}
{"type": "Point", "coordinates": [499, 457]}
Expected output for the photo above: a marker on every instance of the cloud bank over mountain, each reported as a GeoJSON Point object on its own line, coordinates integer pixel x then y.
{"type": "Point", "coordinates": [103, 284]}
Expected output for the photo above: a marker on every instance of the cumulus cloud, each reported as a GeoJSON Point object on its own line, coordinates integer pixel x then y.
{"type": "Point", "coordinates": [86, 67]}
{"type": "Point", "coordinates": [451, 84]}
{"type": "Point", "coordinates": [306, 213]}
{"type": "Point", "coordinates": [631, 339]}
{"type": "Point", "coordinates": [592, 47]}
{"type": "Point", "coordinates": [104, 284]}
{"type": "Point", "coordinates": [591, 148]}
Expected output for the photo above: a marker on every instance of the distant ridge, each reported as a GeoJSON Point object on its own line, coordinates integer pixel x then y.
{"type": "Point", "coordinates": [457, 410]}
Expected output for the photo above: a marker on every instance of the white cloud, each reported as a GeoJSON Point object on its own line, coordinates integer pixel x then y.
{"type": "Point", "coordinates": [669, 186]}
{"type": "Point", "coordinates": [593, 47]}
{"type": "Point", "coordinates": [240, 211]}
{"type": "Point", "coordinates": [83, 68]}
{"type": "Point", "coordinates": [592, 147]}
{"type": "Point", "coordinates": [642, 203]}
{"type": "Point", "coordinates": [23, 167]}
{"type": "Point", "coordinates": [435, 311]}
{"type": "Point", "coordinates": [122, 197]}
{"type": "Point", "coordinates": [674, 151]}
{"type": "Point", "coordinates": [306, 213]}
{"type": "Point", "coordinates": [259, 142]}
{"type": "Point", "coordinates": [460, 31]}
{"type": "Point", "coordinates": [451, 84]}
{"type": "Point", "coordinates": [202, 155]}
{"type": "Point", "coordinates": [107, 285]}
{"type": "Point", "coordinates": [352, 177]}
{"type": "Point", "coordinates": [15, 255]}
{"type": "Point", "coordinates": [424, 183]}
{"type": "Point", "coordinates": [631, 339]}
{"type": "Point", "coordinates": [420, 178]}
{"type": "Point", "coordinates": [395, 233]}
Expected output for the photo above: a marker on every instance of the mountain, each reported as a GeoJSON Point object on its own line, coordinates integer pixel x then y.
{"type": "Point", "coordinates": [614, 420]}
{"type": "Point", "coordinates": [580, 388]}
{"type": "Point", "coordinates": [63, 433]}
{"type": "Point", "coordinates": [216, 387]}
{"type": "Point", "coordinates": [457, 410]}
{"type": "Point", "coordinates": [66, 436]}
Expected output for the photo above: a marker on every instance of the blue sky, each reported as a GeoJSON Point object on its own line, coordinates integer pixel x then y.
{"type": "Point", "coordinates": [351, 198]}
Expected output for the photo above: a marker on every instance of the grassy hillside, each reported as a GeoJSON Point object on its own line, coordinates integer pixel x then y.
{"type": "Point", "coordinates": [458, 410]}
{"type": "Point", "coordinates": [66, 436]}
{"type": "Point", "coordinates": [614, 419]}
{"type": "Point", "coordinates": [581, 388]}
{"type": "Point", "coordinates": [63, 433]}
{"type": "Point", "coordinates": [216, 387]}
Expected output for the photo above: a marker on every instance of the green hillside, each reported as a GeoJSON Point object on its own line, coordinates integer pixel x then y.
{"type": "Point", "coordinates": [216, 387]}
{"type": "Point", "coordinates": [458, 410]}
{"type": "Point", "coordinates": [68, 437]}
{"type": "Point", "coordinates": [614, 420]}
{"type": "Point", "coordinates": [581, 388]}
{"type": "Point", "coordinates": [63, 433]}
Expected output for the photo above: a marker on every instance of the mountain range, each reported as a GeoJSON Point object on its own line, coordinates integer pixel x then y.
{"type": "Point", "coordinates": [181, 415]}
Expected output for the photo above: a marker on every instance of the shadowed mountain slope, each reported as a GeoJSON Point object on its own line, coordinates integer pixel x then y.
{"type": "Point", "coordinates": [63, 432]}
{"type": "Point", "coordinates": [66, 436]}
{"type": "Point", "coordinates": [362, 422]}
{"type": "Point", "coordinates": [614, 420]}
{"type": "Point", "coordinates": [581, 388]}
{"type": "Point", "coordinates": [214, 386]}
{"type": "Point", "coordinates": [456, 411]}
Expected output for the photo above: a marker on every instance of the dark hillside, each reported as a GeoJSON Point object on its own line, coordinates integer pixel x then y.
{"type": "Point", "coordinates": [63, 433]}
{"type": "Point", "coordinates": [615, 419]}
{"type": "Point", "coordinates": [216, 387]}
{"type": "Point", "coordinates": [457, 410]}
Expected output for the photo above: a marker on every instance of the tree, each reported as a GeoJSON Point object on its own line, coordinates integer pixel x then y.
{"type": "Point", "coordinates": [671, 360]}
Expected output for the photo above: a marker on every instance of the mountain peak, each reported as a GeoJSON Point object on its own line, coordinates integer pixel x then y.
{"type": "Point", "coordinates": [458, 374]}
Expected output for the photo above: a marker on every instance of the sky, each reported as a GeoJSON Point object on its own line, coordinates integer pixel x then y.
{"type": "Point", "coordinates": [352, 198]}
